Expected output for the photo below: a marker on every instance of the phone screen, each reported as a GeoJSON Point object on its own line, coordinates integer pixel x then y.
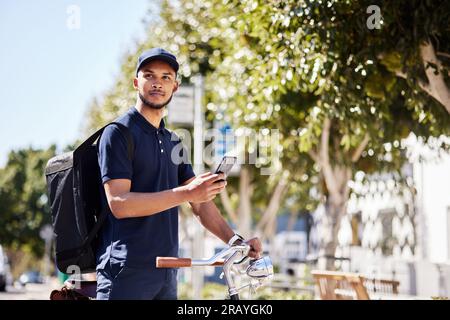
{"type": "Point", "coordinates": [225, 165]}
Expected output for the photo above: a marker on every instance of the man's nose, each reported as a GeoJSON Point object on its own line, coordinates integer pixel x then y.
{"type": "Point", "coordinates": [156, 85]}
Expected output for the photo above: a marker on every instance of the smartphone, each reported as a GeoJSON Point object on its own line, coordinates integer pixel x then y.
{"type": "Point", "coordinates": [225, 166]}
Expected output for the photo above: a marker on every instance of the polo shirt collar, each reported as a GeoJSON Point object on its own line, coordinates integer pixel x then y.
{"type": "Point", "coordinates": [144, 124]}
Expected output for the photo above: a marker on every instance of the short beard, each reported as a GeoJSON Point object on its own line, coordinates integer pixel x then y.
{"type": "Point", "coordinates": [154, 105]}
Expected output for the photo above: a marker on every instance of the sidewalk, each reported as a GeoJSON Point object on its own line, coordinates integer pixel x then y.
{"type": "Point", "coordinates": [32, 291]}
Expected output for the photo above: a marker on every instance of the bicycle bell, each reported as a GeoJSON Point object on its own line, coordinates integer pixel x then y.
{"type": "Point", "coordinates": [260, 268]}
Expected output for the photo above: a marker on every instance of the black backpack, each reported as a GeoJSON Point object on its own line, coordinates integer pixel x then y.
{"type": "Point", "coordinates": [74, 186]}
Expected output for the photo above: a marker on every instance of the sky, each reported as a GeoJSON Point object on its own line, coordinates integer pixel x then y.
{"type": "Point", "coordinates": [55, 57]}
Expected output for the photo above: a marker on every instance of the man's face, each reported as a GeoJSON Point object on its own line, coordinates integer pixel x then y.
{"type": "Point", "coordinates": [156, 83]}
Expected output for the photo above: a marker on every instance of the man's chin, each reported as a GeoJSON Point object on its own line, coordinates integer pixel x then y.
{"type": "Point", "coordinates": [155, 105]}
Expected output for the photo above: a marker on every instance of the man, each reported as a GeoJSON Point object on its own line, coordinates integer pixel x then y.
{"type": "Point", "coordinates": [143, 193]}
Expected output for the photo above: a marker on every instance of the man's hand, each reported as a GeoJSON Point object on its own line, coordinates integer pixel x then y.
{"type": "Point", "coordinates": [203, 188]}
{"type": "Point", "coordinates": [255, 248]}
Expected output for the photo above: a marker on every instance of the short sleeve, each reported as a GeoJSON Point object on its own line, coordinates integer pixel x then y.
{"type": "Point", "coordinates": [113, 155]}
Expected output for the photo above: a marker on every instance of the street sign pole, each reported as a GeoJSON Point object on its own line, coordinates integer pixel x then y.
{"type": "Point", "coordinates": [199, 236]}
{"type": "Point", "coordinates": [46, 234]}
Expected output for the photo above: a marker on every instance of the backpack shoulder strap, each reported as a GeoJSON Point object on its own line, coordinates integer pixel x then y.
{"type": "Point", "coordinates": [130, 148]}
{"type": "Point", "coordinates": [123, 129]}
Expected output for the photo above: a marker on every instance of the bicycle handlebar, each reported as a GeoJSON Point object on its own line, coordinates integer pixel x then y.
{"type": "Point", "coordinates": [258, 269]}
{"type": "Point", "coordinates": [216, 260]}
{"type": "Point", "coordinates": [173, 262]}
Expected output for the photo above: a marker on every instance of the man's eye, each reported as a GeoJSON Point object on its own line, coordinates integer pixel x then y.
{"type": "Point", "coordinates": [166, 78]}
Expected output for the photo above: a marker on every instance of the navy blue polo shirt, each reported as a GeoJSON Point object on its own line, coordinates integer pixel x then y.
{"type": "Point", "coordinates": [136, 242]}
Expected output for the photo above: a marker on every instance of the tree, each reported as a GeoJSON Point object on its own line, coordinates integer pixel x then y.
{"type": "Point", "coordinates": [319, 75]}
{"type": "Point", "coordinates": [194, 33]}
{"type": "Point", "coordinates": [306, 68]}
{"type": "Point", "coordinates": [23, 199]}
{"type": "Point", "coordinates": [413, 44]}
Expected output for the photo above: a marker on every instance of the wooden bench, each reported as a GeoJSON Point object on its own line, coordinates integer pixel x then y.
{"type": "Point", "coordinates": [334, 285]}
{"type": "Point", "coordinates": [381, 286]}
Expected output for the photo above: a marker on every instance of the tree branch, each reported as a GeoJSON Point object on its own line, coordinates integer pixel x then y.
{"type": "Point", "coordinates": [274, 203]}
{"type": "Point", "coordinates": [314, 156]}
{"type": "Point", "coordinates": [348, 176]}
{"type": "Point", "coordinates": [357, 154]}
{"type": "Point", "coordinates": [327, 170]}
{"type": "Point", "coordinates": [245, 206]}
{"type": "Point", "coordinates": [424, 86]}
{"type": "Point", "coordinates": [436, 87]}
{"type": "Point", "coordinates": [400, 74]}
{"type": "Point", "coordinates": [436, 81]}
{"type": "Point", "coordinates": [324, 140]}
{"type": "Point", "coordinates": [226, 202]}
{"type": "Point", "coordinates": [443, 54]}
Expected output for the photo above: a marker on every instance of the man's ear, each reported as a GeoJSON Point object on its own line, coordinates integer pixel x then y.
{"type": "Point", "coordinates": [175, 86]}
{"type": "Point", "coordinates": [135, 83]}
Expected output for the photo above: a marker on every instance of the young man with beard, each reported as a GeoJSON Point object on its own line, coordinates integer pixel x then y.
{"type": "Point", "coordinates": [143, 193]}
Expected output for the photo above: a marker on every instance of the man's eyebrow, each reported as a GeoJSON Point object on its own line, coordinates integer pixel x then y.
{"type": "Point", "coordinates": [151, 71]}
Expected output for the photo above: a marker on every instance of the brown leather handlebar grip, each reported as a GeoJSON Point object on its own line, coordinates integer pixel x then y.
{"type": "Point", "coordinates": [172, 262]}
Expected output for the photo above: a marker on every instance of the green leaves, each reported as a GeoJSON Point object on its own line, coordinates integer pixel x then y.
{"type": "Point", "coordinates": [392, 60]}
{"type": "Point", "coordinates": [297, 62]}
{"type": "Point", "coordinates": [23, 199]}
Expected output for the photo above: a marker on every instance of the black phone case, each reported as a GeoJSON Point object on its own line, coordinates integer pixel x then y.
{"type": "Point", "coordinates": [225, 167]}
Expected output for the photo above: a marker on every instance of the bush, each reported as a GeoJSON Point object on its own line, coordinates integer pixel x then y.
{"type": "Point", "coordinates": [215, 291]}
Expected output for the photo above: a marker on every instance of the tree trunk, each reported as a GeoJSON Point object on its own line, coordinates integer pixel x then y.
{"type": "Point", "coordinates": [436, 86]}
{"type": "Point", "coordinates": [267, 225]}
{"type": "Point", "coordinates": [226, 202]}
{"type": "Point", "coordinates": [243, 217]}
{"type": "Point", "coordinates": [336, 178]}
{"type": "Point", "coordinates": [244, 210]}
{"type": "Point", "coordinates": [329, 226]}
{"type": "Point", "coordinates": [335, 209]}
{"type": "Point", "coordinates": [293, 217]}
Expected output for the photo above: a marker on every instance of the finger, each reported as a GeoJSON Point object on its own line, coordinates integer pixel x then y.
{"type": "Point", "coordinates": [257, 246]}
{"type": "Point", "coordinates": [257, 253]}
{"type": "Point", "coordinates": [211, 178]}
{"type": "Point", "coordinates": [253, 254]}
{"type": "Point", "coordinates": [214, 192]}
{"type": "Point", "coordinates": [217, 185]}
{"type": "Point", "coordinates": [205, 174]}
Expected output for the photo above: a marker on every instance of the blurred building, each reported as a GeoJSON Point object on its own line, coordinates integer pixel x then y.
{"type": "Point", "coordinates": [399, 226]}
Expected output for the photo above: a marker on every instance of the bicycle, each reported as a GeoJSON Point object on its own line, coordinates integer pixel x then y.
{"type": "Point", "coordinates": [231, 258]}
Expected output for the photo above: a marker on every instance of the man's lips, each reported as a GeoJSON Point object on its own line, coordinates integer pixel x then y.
{"type": "Point", "coordinates": [157, 93]}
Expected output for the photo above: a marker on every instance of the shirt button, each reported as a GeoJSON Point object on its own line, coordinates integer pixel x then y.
{"type": "Point", "coordinates": [160, 141]}
{"type": "Point", "coordinates": [162, 150]}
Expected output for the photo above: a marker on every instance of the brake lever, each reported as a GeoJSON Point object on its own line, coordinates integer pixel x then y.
{"type": "Point", "coordinates": [243, 260]}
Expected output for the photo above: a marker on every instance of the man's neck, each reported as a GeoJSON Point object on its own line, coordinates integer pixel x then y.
{"type": "Point", "coordinates": [153, 116]}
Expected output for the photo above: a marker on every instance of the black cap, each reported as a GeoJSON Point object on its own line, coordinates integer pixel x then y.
{"type": "Point", "coordinates": [157, 54]}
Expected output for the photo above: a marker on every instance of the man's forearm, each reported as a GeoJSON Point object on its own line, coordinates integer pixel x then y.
{"type": "Point", "coordinates": [140, 204]}
{"type": "Point", "coordinates": [212, 220]}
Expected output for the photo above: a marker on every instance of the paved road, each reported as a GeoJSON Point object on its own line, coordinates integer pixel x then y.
{"type": "Point", "coordinates": [31, 291]}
